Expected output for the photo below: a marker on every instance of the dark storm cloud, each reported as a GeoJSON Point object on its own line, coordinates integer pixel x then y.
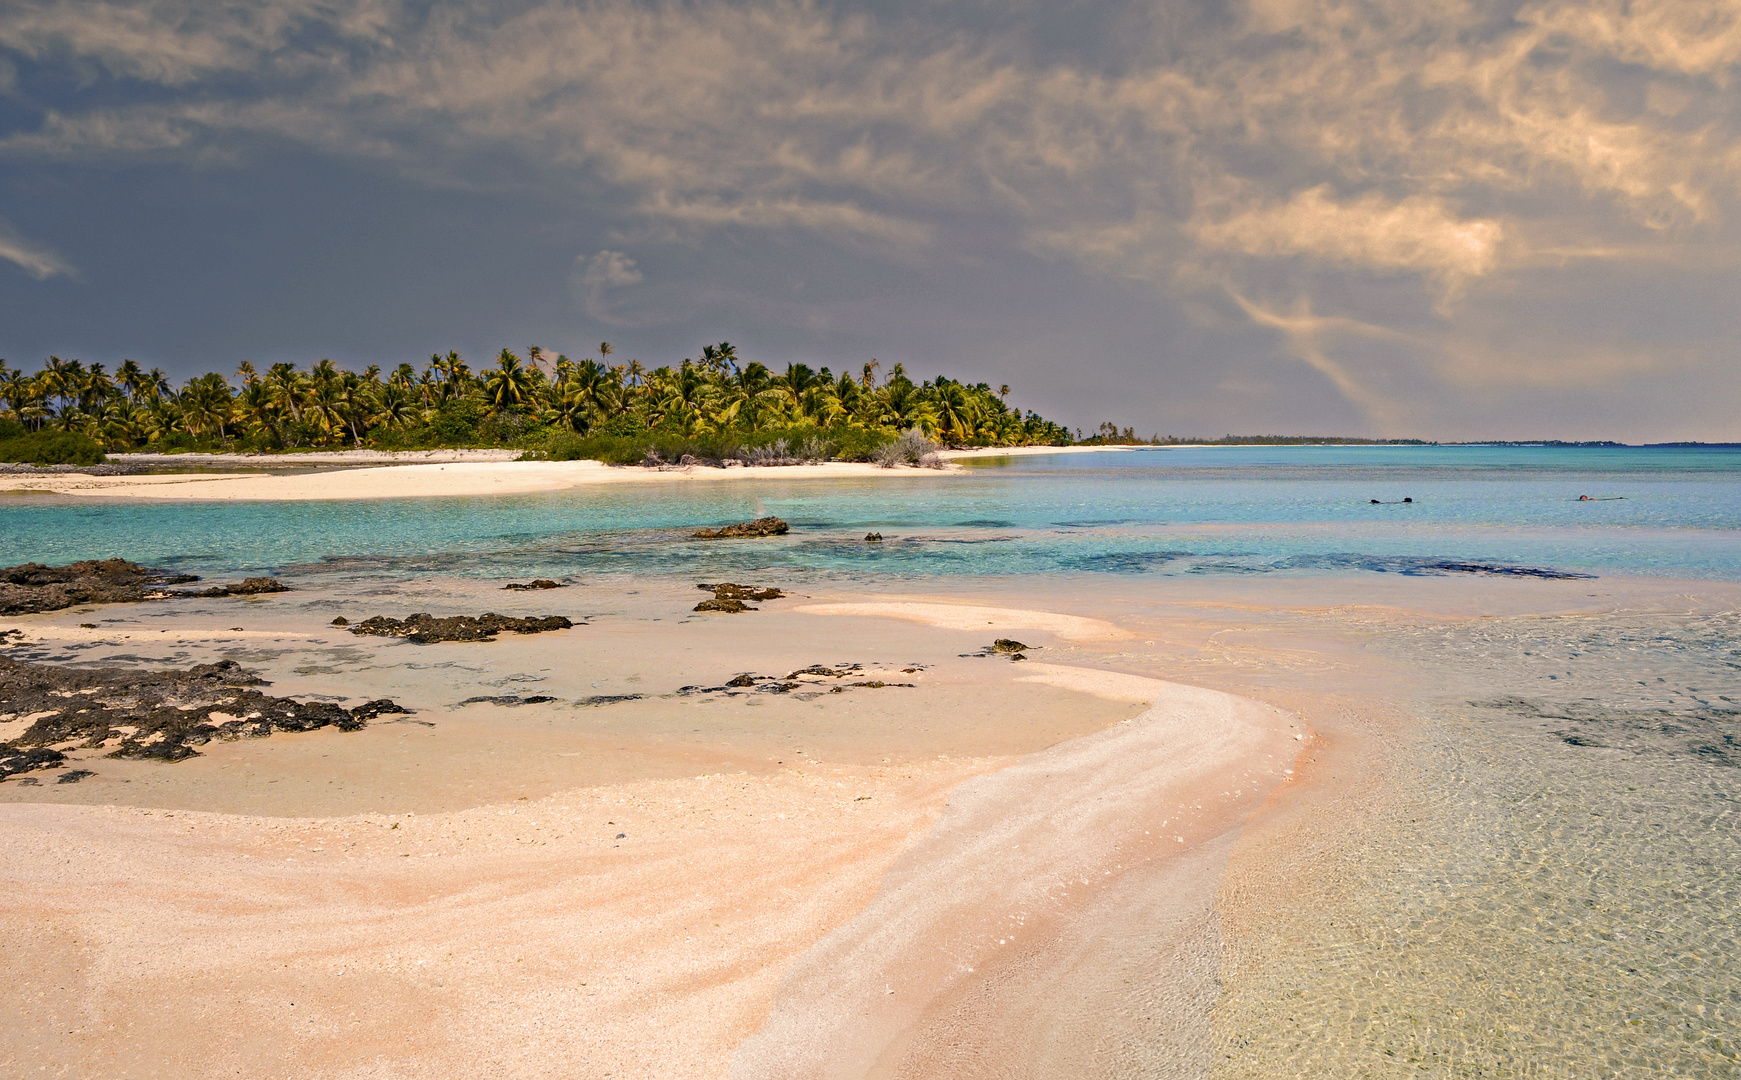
{"type": "Point", "coordinates": [1448, 219]}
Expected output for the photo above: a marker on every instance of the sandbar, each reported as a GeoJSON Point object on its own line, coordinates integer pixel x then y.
{"type": "Point", "coordinates": [641, 888]}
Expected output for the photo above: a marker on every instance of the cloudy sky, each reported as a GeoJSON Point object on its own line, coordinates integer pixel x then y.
{"type": "Point", "coordinates": [1448, 220]}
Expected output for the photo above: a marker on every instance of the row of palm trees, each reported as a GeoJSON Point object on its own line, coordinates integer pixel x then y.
{"type": "Point", "coordinates": [514, 399]}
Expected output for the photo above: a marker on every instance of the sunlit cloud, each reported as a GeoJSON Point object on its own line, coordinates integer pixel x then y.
{"type": "Point", "coordinates": [37, 260]}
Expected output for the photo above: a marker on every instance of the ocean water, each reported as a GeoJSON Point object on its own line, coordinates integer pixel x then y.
{"type": "Point", "coordinates": [1672, 512]}
{"type": "Point", "coordinates": [1550, 887]}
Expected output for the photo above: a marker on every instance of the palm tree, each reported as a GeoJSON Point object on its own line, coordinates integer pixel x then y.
{"type": "Point", "coordinates": [956, 416]}
{"type": "Point", "coordinates": [284, 384]}
{"type": "Point", "coordinates": [96, 389]}
{"type": "Point", "coordinates": [156, 383]}
{"type": "Point", "coordinates": [354, 403]}
{"type": "Point", "coordinates": [131, 379]}
{"type": "Point", "coordinates": [395, 406]}
{"type": "Point", "coordinates": [60, 378]}
{"type": "Point", "coordinates": [257, 411]}
{"type": "Point", "coordinates": [16, 389]}
{"type": "Point", "coordinates": [508, 385]}
{"type": "Point", "coordinates": [797, 388]}
{"type": "Point", "coordinates": [206, 406]}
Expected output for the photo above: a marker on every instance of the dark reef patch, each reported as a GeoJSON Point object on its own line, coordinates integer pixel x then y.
{"type": "Point", "coordinates": [424, 628]}
{"type": "Point", "coordinates": [159, 715]}
{"type": "Point", "coordinates": [34, 587]}
{"type": "Point", "coordinates": [1708, 735]}
{"type": "Point", "coordinates": [763, 526]}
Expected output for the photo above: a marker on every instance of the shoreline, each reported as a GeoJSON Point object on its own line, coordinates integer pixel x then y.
{"type": "Point", "coordinates": [463, 917]}
{"type": "Point", "coordinates": [430, 480]}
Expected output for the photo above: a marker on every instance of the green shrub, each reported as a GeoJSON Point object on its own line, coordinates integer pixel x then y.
{"type": "Point", "coordinates": [52, 448]}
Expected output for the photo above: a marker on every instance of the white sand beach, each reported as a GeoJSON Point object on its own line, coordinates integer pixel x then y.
{"type": "Point", "coordinates": [431, 480]}
{"type": "Point", "coordinates": [473, 896]}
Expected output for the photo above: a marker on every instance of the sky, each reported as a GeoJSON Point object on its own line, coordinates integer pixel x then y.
{"type": "Point", "coordinates": [1384, 218]}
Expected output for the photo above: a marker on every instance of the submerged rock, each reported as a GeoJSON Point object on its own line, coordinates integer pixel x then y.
{"type": "Point", "coordinates": [157, 715]}
{"type": "Point", "coordinates": [531, 586]}
{"type": "Point", "coordinates": [424, 628]}
{"type": "Point", "coordinates": [763, 526]}
{"type": "Point", "coordinates": [34, 587]}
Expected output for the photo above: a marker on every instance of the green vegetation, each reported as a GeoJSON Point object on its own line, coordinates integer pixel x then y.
{"type": "Point", "coordinates": [711, 410]}
{"type": "Point", "coordinates": [47, 447]}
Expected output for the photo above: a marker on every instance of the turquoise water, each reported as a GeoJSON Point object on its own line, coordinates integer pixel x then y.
{"type": "Point", "coordinates": [1297, 510]}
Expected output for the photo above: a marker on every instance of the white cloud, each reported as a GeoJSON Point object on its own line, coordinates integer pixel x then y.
{"type": "Point", "coordinates": [35, 259]}
{"type": "Point", "coordinates": [596, 276]}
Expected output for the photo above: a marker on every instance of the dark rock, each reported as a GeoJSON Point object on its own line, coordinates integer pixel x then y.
{"type": "Point", "coordinates": [1008, 645]}
{"type": "Point", "coordinates": [254, 586]}
{"type": "Point", "coordinates": [169, 712]}
{"type": "Point", "coordinates": [249, 587]}
{"type": "Point", "coordinates": [873, 538]}
{"type": "Point", "coordinates": [817, 669]}
{"type": "Point", "coordinates": [15, 759]}
{"type": "Point", "coordinates": [509, 699]}
{"type": "Point", "coordinates": [341, 621]}
{"type": "Point", "coordinates": [424, 628]}
{"type": "Point", "coordinates": [34, 587]}
{"type": "Point", "coordinates": [73, 776]}
{"type": "Point", "coordinates": [765, 526]}
{"type": "Point", "coordinates": [727, 590]}
{"type": "Point", "coordinates": [609, 699]}
{"type": "Point", "coordinates": [730, 606]}
{"type": "Point", "coordinates": [742, 680]}
{"type": "Point", "coordinates": [530, 586]}
{"type": "Point", "coordinates": [379, 707]}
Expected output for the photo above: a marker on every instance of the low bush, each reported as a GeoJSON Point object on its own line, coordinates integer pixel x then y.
{"type": "Point", "coordinates": [912, 448]}
{"type": "Point", "coordinates": [618, 444]}
{"type": "Point", "coordinates": [51, 448]}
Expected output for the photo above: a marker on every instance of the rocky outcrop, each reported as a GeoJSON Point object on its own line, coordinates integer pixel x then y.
{"type": "Point", "coordinates": [253, 586]}
{"type": "Point", "coordinates": [157, 715]}
{"type": "Point", "coordinates": [731, 597]}
{"type": "Point", "coordinates": [533, 586]}
{"type": "Point", "coordinates": [873, 538]}
{"type": "Point", "coordinates": [33, 587]}
{"type": "Point", "coordinates": [424, 628]}
{"type": "Point", "coordinates": [764, 526]}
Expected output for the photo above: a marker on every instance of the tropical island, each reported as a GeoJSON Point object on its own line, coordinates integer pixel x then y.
{"type": "Point", "coordinates": [710, 410]}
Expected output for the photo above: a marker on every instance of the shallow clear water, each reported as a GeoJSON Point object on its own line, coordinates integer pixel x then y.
{"type": "Point", "coordinates": [1670, 511]}
{"type": "Point", "coordinates": [1553, 890]}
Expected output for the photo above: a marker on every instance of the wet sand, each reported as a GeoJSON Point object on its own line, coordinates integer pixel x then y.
{"type": "Point", "coordinates": [435, 901]}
